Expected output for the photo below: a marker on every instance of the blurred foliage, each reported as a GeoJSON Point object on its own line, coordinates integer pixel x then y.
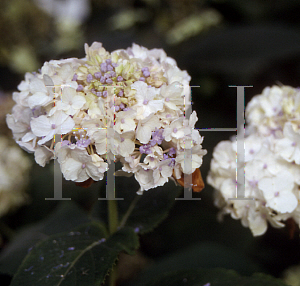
{"type": "Point", "coordinates": [24, 30]}
{"type": "Point", "coordinates": [30, 36]}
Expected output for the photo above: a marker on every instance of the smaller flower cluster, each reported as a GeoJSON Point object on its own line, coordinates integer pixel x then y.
{"type": "Point", "coordinates": [272, 163]}
{"type": "Point", "coordinates": [14, 175]}
{"type": "Point", "coordinates": [125, 106]}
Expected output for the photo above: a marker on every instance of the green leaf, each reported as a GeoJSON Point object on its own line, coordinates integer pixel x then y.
{"type": "Point", "coordinates": [206, 255]}
{"type": "Point", "coordinates": [211, 277]}
{"type": "Point", "coordinates": [150, 208]}
{"type": "Point", "coordinates": [65, 217]}
{"type": "Point", "coordinates": [82, 257]}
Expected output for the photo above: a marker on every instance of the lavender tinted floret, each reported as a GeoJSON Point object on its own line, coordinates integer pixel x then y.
{"type": "Point", "coordinates": [83, 142]}
{"type": "Point", "coordinates": [102, 79]}
{"type": "Point", "coordinates": [74, 77]}
{"type": "Point", "coordinates": [103, 67]}
{"type": "Point", "coordinates": [109, 68]}
{"type": "Point", "coordinates": [157, 137]}
{"type": "Point", "coordinates": [145, 149]}
{"type": "Point", "coordinates": [109, 81]}
{"type": "Point", "coordinates": [172, 151]}
{"type": "Point", "coordinates": [97, 75]}
{"type": "Point", "coordinates": [89, 78]}
{"type": "Point", "coordinates": [79, 88]}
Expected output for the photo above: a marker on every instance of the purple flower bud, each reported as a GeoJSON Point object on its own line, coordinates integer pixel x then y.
{"type": "Point", "coordinates": [107, 75]}
{"type": "Point", "coordinates": [83, 142]}
{"type": "Point", "coordinates": [102, 79]}
{"type": "Point", "coordinates": [103, 67]}
{"type": "Point", "coordinates": [119, 78]}
{"type": "Point", "coordinates": [145, 102]}
{"type": "Point", "coordinates": [157, 137]}
{"type": "Point", "coordinates": [122, 106]}
{"type": "Point", "coordinates": [145, 149]}
{"type": "Point", "coordinates": [109, 81]}
{"type": "Point", "coordinates": [120, 93]}
{"type": "Point", "coordinates": [114, 65]}
{"type": "Point", "coordinates": [75, 76]}
{"type": "Point", "coordinates": [108, 61]}
{"type": "Point", "coordinates": [117, 107]}
{"type": "Point", "coordinates": [172, 151]}
{"type": "Point", "coordinates": [105, 93]}
{"type": "Point", "coordinates": [79, 88]}
{"type": "Point", "coordinates": [166, 157]}
{"type": "Point", "coordinates": [142, 79]}
{"type": "Point", "coordinates": [145, 69]}
{"type": "Point", "coordinates": [109, 68]}
{"type": "Point", "coordinates": [89, 78]}
{"type": "Point", "coordinates": [172, 163]}
{"type": "Point", "coordinates": [99, 93]}
{"type": "Point", "coordinates": [146, 73]}
{"type": "Point", "coordinates": [112, 74]}
{"type": "Point", "coordinates": [175, 130]}
{"type": "Point", "coordinates": [65, 142]}
{"type": "Point", "coordinates": [97, 74]}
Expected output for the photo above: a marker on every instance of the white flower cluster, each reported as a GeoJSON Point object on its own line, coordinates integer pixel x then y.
{"type": "Point", "coordinates": [126, 106]}
{"type": "Point", "coordinates": [14, 175]}
{"type": "Point", "coordinates": [272, 163]}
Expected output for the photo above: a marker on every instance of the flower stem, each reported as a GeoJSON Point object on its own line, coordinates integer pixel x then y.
{"type": "Point", "coordinates": [112, 216]}
{"type": "Point", "coordinates": [112, 227]}
{"type": "Point", "coordinates": [129, 211]}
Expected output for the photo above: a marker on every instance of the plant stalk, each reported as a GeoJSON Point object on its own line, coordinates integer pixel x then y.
{"type": "Point", "coordinates": [112, 227]}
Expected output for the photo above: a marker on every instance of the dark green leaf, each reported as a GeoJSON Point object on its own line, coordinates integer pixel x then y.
{"type": "Point", "coordinates": [82, 257]}
{"type": "Point", "coordinates": [65, 217]}
{"type": "Point", "coordinates": [150, 209]}
{"type": "Point", "coordinates": [211, 277]}
{"type": "Point", "coordinates": [205, 254]}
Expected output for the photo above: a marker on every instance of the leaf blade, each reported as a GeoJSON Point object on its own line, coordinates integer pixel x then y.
{"type": "Point", "coordinates": [82, 257]}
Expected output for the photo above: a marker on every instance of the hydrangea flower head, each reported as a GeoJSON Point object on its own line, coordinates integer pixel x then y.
{"type": "Point", "coordinates": [125, 106]}
{"type": "Point", "coordinates": [272, 163]}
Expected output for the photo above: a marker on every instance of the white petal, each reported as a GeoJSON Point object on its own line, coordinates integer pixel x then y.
{"type": "Point", "coordinates": [70, 169]}
{"type": "Point", "coordinates": [38, 99]}
{"type": "Point", "coordinates": [40, 126]}
{"type": "Point", "coordinates": [42, 156]}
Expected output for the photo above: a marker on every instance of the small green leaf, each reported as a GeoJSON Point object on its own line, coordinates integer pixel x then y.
{"type": "Point", "coordinates": [211, 277]}
{"type": "Point", "coordinates": [81, 257]}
